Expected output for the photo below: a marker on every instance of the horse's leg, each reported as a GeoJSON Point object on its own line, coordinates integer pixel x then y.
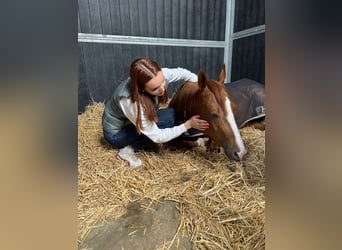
{"type": "Point", "coordinates": [184, 144]}
{"type": "Point", "coordinates": [261, 125]}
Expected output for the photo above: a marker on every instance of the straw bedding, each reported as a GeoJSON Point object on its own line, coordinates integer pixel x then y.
{"type": "Point", "coordinates": [221, 202]}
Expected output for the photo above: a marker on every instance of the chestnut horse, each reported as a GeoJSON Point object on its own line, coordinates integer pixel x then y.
{"type": "Point", "coordinates": [209, 99]}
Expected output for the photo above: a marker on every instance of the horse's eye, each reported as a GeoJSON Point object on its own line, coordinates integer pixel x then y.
{"type": "Point", "coordinates": [214, 116]}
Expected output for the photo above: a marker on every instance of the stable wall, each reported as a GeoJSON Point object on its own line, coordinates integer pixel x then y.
{"type": "Point", "coordinates": [192, 34]}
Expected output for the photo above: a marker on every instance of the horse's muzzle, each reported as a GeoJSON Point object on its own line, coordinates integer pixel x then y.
{"type": "Point", "coordinates": [242, 153]}
{"type": "Point", "coordinates": [231, 154]}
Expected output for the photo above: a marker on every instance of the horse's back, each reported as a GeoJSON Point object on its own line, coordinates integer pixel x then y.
{"type": "Point", "coordinates": [249, 98]}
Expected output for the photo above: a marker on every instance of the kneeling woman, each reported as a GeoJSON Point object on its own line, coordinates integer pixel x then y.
{"type": "Point", "coordinates": [132, 118]}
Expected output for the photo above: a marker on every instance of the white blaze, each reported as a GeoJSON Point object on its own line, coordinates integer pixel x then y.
{"type": "Point", "coordinates": [236, 132]}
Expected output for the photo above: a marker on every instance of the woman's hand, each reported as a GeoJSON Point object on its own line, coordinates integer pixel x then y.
{"type": "Point", "coordinates": [195, 122]}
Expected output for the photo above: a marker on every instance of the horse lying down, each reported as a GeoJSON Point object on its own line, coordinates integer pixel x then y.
{"type": "Point", "coordinates": [210, 99]}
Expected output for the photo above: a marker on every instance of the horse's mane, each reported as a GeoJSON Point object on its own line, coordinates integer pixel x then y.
{"type": "Point", "coordinates": [186, 91]}
{"type": "Point", "coordinates": [189, 90]}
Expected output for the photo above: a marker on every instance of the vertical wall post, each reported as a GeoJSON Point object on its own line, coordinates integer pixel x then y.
{"type": "Point", "coordinates": [228, 49]}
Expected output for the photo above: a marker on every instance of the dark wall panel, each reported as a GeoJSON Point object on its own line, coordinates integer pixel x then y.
{"type": "Point", "coordinates": [186, 19]}
{"type": "Point", "coordinates": [248, 14]}
{"type": "Point", "coordinates": [249, 58]}
{"type": "Point", "coordinates": [101, 71]}
{"type": "Point", "coordinates": [83, 91]}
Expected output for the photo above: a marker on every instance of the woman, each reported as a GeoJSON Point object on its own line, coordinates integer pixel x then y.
{"type": "Point", "coordinates": [131, 119]}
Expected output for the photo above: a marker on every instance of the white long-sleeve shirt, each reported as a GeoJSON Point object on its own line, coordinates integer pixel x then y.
{"type": "Point", "coordinates": [149, 128]}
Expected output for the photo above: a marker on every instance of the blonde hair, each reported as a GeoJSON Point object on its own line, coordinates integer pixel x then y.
{"type": "Point", "coordinates": [143, 70]}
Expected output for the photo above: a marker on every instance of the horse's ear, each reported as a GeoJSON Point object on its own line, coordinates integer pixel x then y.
{"type": "Point", "coordinates": [222, 75]}
{"type": "Point", "coordinates": [202, 79]}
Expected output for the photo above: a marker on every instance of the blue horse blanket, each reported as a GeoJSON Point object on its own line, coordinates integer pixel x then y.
{"type": "Point", "coordinates": [249, 98]}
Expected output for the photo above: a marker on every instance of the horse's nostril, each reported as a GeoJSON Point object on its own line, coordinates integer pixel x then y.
{"type": "Point", "coordinates": [236, 156]}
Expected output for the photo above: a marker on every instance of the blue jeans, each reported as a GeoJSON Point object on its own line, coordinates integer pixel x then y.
{"type": "Point", "coordinates": [129, 135]}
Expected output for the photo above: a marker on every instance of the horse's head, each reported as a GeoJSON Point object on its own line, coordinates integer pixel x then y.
{"type": "Point", "coordinates": [214, 105]}
{"type": "Point", "coordinates": [211, 101]}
